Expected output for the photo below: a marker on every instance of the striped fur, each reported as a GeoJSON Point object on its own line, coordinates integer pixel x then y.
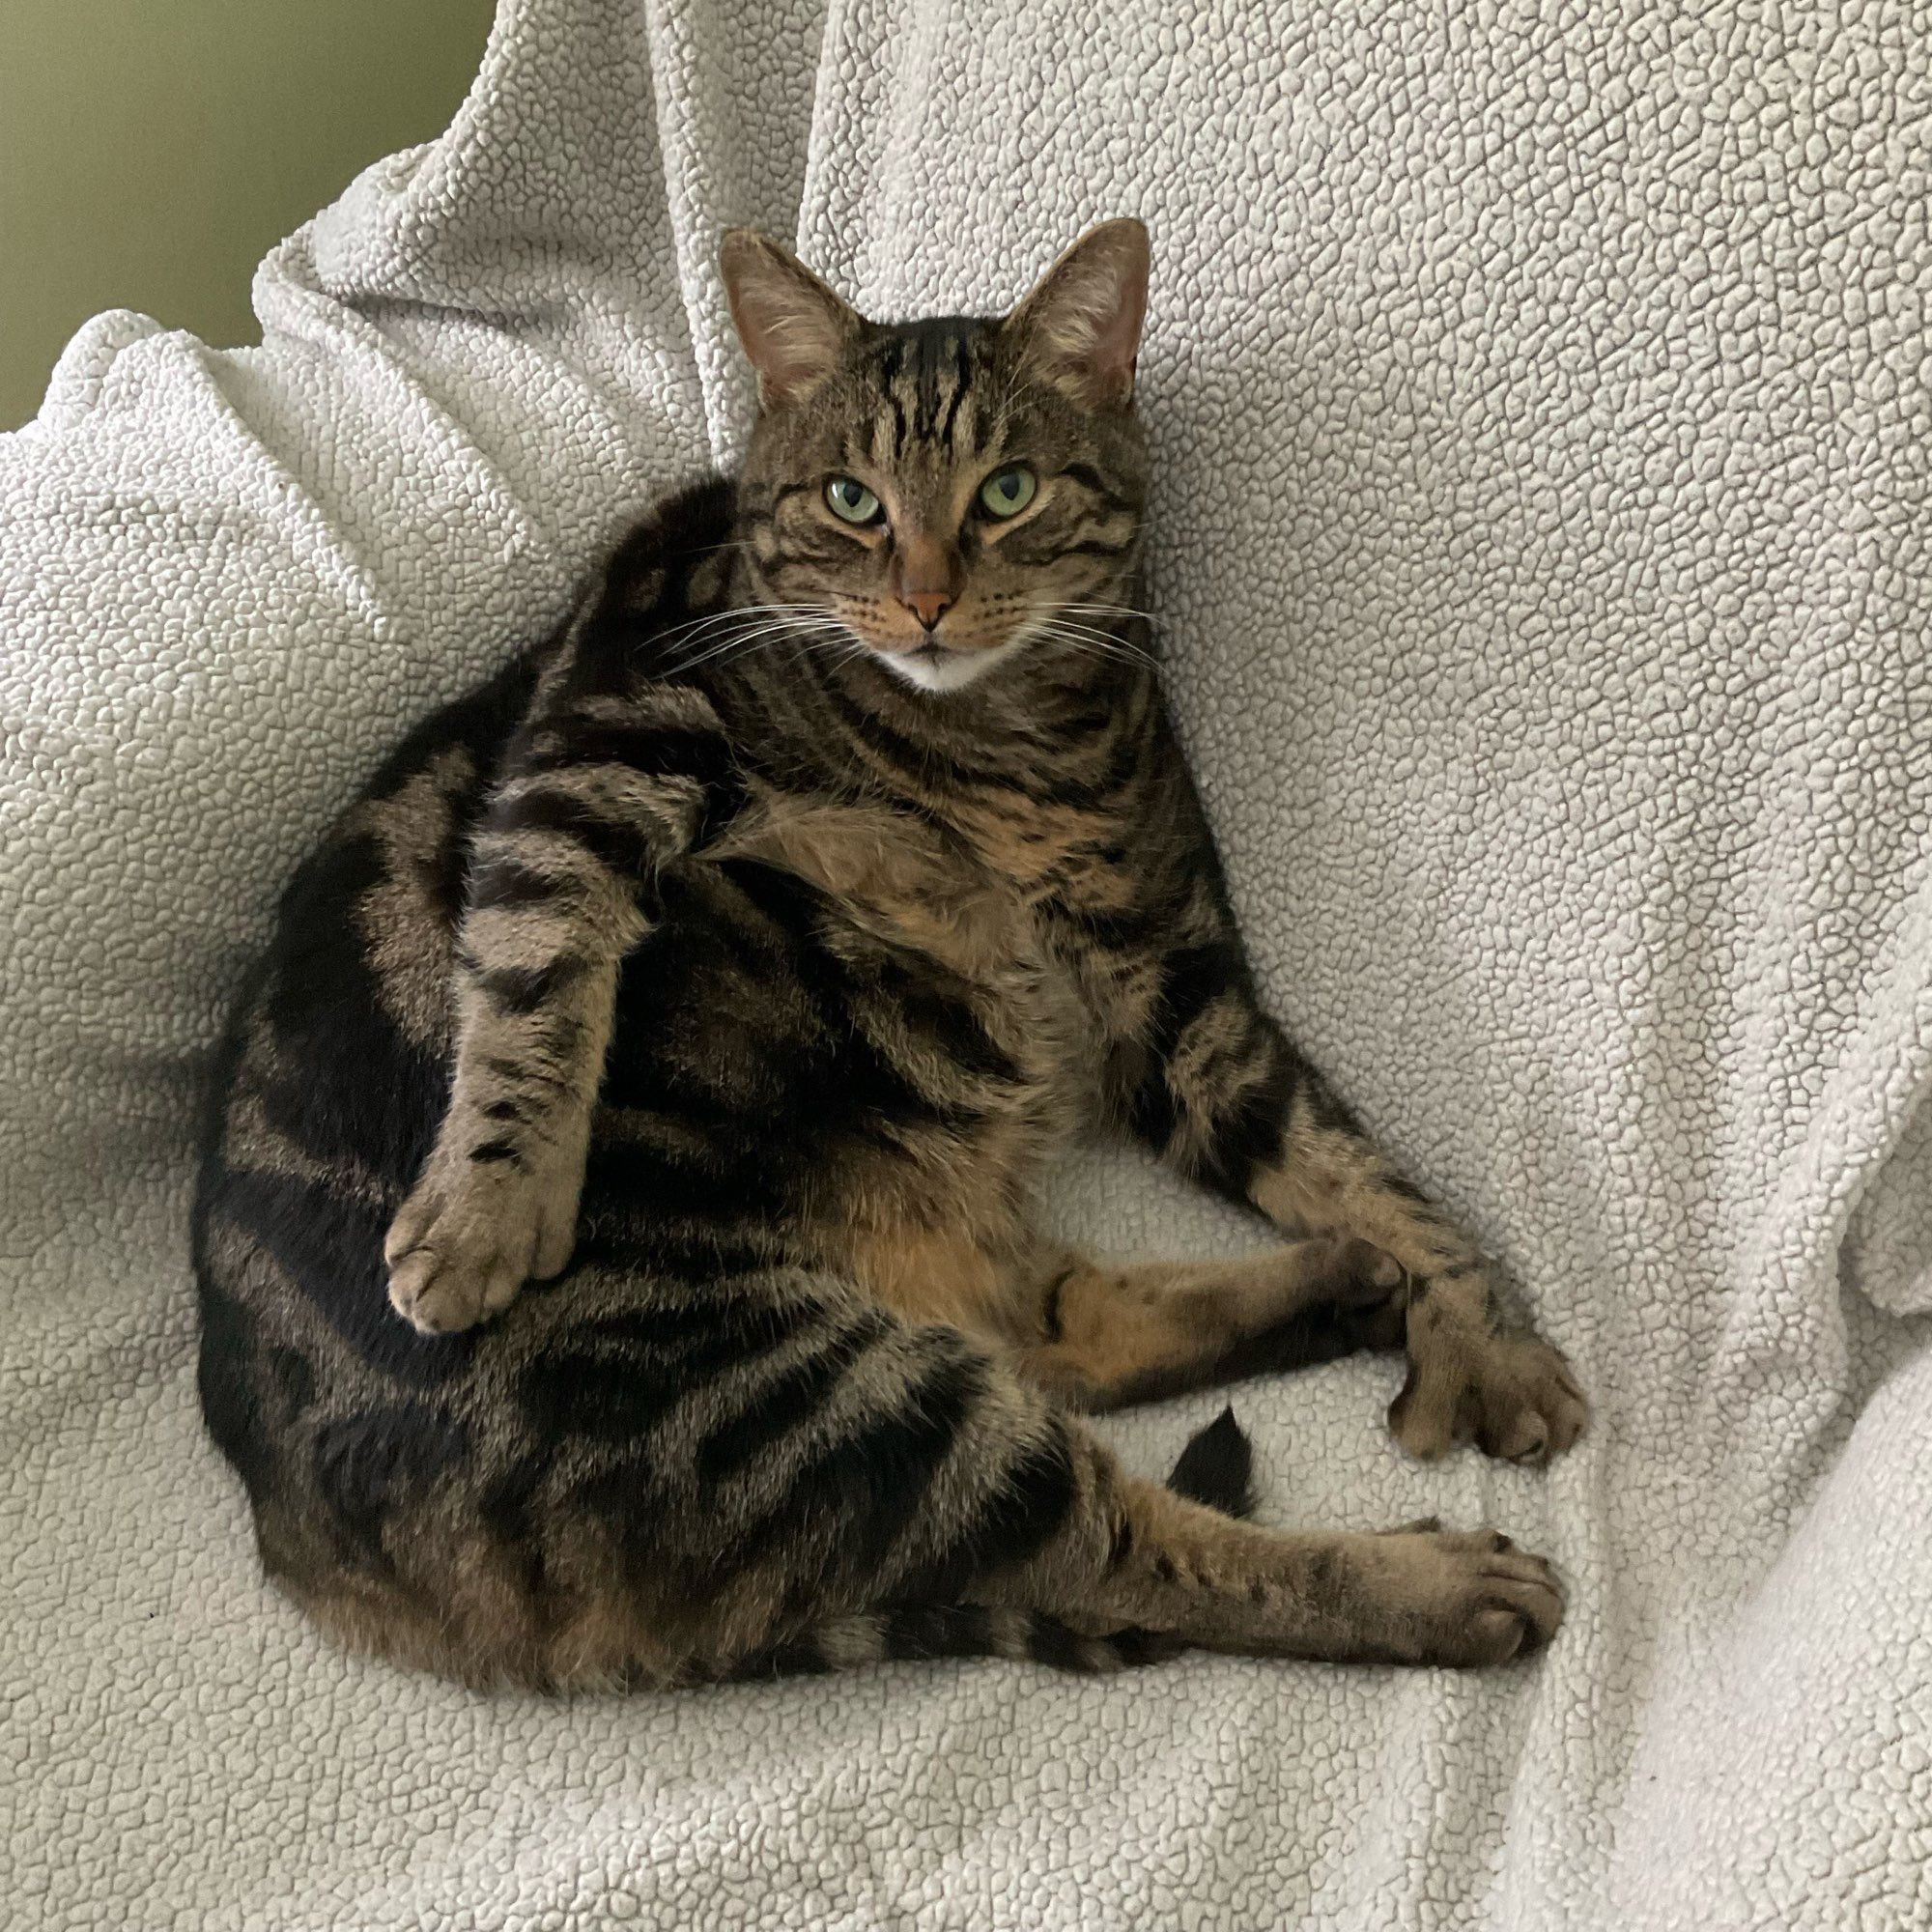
{"type": "Point", "coordinates": [614, 1238]}
{"type": "Point", "coordinates": [1215, 1468]}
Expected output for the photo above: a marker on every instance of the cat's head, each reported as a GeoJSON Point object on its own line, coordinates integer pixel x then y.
{"type": "Point", "coordinates": [951, 492]}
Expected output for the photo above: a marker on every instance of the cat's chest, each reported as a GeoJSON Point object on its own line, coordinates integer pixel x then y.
{"type": "Point", "coordinates": [970, 910]}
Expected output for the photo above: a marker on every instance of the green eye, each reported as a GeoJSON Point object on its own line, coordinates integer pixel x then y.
{"type": "Point", "coordinates": [851, 501]}
{"type": "Point", "coordinates": [1008, 492]}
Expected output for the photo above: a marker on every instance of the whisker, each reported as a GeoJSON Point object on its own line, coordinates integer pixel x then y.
{"type": "Point", "coordinates": [1104, 633]}
{"type": "Point", "coordinates": [764, 638]}
{"type": "Point", "coordinates": [735, 613]}
{"type": "Point", "coordinates": [1098, 645]}
{"type": "Point", "coordinates": [1118, 610]}
{"type": "Point", "coordinates": [708, 550]}
{"type": "Point", "coordinates": [1102, 640]}
{"type": "Point", "coordinates": [700, 629]}
{"type": "Point", "coordinates": [789, 623]}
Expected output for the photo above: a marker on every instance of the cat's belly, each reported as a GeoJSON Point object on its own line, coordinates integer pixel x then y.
{"type": "Point", "coordinates": [873, 1094]}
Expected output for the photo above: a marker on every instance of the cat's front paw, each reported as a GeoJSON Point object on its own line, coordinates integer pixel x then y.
{"type": "Point", "coordinates": [1514, 1396]}
{"type": "Point", "coordinates": [463, 1244]}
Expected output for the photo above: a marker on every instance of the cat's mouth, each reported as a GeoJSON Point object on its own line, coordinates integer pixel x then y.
{"type": "Point", "coordinates": [932, 665]}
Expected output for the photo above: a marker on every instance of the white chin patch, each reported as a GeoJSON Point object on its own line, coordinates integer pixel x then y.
{"type": "Point", "coordinates": [933, 669]}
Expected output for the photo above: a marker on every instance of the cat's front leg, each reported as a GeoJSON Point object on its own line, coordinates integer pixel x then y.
{"type": "Point", "coordinates": [1230, 1102]}
{"type": "Point", "coordinates": [1470, 1378]}
{"type": "Point", "coordinates": [497, 1202]}
{"type": "Point", "coordinates": [563, 880]}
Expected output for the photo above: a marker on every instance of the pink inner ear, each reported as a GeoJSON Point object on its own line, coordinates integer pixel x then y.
{"type": "Point", "coordinates": [1117, 341]}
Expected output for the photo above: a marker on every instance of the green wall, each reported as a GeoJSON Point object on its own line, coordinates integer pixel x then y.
{"type": "Point", "coordinates": [152, 151]}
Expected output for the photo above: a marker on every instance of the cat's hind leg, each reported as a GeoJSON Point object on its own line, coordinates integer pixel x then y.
{"type": "Point", "coordinates": [982, 1516]}
{"type": "Point", "coordinates": [1418, 1595]}
{"type": "Point", "coordinates": [672, 1482]}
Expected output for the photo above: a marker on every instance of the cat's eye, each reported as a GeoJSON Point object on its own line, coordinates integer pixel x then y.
{"type": "Point", "coordinates": [1006, 493]}
{"type": "Point", "coordinates": [851, 501]}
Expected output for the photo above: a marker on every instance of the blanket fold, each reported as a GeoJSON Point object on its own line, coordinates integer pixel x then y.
{"type": "Point", "coordinates": [1540, 402]}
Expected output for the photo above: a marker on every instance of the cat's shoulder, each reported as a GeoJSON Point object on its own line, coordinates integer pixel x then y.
{"type": "Point", "coordinates": [668, 573]}
{"type": "Point", "coordinates": [676, 555]}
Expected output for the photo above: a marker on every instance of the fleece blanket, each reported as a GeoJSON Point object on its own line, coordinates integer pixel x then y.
{"type": "Point", "coordinates": [1542, 408]}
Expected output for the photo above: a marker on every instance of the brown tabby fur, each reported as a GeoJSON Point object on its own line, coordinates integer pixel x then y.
{"type": "Point", "coordinates": [731, 965]}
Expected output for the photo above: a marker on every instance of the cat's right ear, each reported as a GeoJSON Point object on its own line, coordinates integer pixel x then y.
{"type": "Point", "coordinates": [794, 329]}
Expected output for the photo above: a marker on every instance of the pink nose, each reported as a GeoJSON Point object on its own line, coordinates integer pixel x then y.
{"type": "Point", "coordinates": [927, 605]}
{"type": "Point", "coordinates": [925, 576]}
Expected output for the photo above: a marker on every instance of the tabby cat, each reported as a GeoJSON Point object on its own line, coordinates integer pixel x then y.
{"type": "Point", "coordinates": [732, 964]}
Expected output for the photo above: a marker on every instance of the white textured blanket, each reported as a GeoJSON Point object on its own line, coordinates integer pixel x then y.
{"type": "Point", "coordinates": [1545, 539]}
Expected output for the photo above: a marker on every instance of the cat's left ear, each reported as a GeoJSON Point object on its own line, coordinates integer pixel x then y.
{"type": "Point", "coordinates": [1081, 326]}
{"type": "Point", "coordinates": [794, 329]}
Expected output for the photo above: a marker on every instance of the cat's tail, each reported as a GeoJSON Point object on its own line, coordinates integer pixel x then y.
{"type": "Point", "coordinates": [1216, 1467]}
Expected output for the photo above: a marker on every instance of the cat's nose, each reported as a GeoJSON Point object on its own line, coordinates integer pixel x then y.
{"type": "Point", "coordinates": [925, 576]}
{"type": "Point", "coordinates": [927, 605]}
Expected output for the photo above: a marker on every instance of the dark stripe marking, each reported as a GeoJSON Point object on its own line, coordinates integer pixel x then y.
{"type": "Point", "coordinates": [522, 989]}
